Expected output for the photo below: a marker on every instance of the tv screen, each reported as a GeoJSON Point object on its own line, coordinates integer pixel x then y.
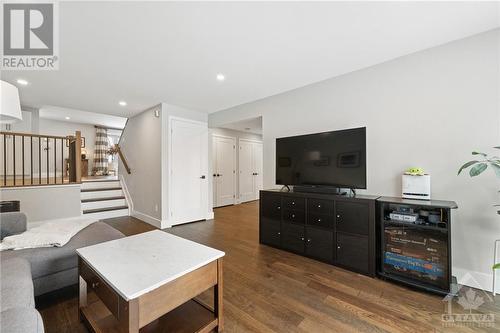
{"type": "Point", "coordinates": [336, 159]}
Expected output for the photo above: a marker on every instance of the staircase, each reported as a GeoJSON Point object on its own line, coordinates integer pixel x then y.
{"type": "Point", "coordinates": [103, 198]}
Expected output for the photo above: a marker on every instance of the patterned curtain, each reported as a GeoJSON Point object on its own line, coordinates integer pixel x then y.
{"type": "Point", "coordinates": [100, 152]}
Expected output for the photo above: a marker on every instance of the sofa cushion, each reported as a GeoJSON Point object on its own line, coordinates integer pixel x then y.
{"type": "Point", "coordinates": [50, 260]}
{"type": "Point", "coordinates": [21, 320]}
{"type": "Point", "coordinates": [16, 286]}
{"type": "Point", "coordinates": [12, 223]}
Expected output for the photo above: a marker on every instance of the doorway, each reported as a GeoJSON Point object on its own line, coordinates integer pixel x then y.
{"type": "Point", "coordinates": [237, 168]}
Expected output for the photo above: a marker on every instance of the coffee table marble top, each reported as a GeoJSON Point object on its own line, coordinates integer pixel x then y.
{"type": "Point", "coordinates": [135, 265]}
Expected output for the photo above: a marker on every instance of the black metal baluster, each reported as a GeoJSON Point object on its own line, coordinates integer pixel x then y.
{"type": "Point", "coordinates": [14, 156]}
{"type": "Point", "coordinates": [62, 161]}
{"type": "Point", "coordinates": [31, 158]}
{"type": "Point", "coordinates": [22, 150]}
{"type": "Point", "coordinates": [39, 160]}
{"type": "Point", "coordinates": [47, 148]}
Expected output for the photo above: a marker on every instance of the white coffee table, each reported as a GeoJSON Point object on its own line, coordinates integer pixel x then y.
{"type": "Point", "coordinates": [140, 278]}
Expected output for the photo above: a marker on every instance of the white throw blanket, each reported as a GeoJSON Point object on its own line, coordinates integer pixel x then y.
{"type": "Point", "coordinates": [49, 234]}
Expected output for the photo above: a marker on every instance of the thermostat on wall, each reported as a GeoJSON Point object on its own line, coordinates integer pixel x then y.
{"type": "Point", "coordinates": [417, 187]}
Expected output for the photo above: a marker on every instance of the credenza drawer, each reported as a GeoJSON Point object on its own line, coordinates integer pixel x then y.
{"type": "Point", "coordinates": [271, 206]}
{"type": "Point", "coordinates": [105, 293]}
{"type": "Point", "coordinates": [352, 217]}
{"type": "Point", "coordinates": [295, 216]}
{"type": "Point", "coordinates": [320, 206]}
{"type": "Point", "coordinates": [294, 203]}
{"type": "Point", "coordinates": [320, 220]}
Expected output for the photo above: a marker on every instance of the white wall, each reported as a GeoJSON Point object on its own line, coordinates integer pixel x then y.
{"type": "Point", "coordinates": [428, 109]}
{"type": "Point", "coordinates": [231, 133]}
{"type": "Point", "coordinates": [141, 146]}
{"type": "Point", "coordinates": [145, 146]}
{"type": "Point", "coordinates": [63, 128]}
{"type": "Point", "coordinates": [46, 202]}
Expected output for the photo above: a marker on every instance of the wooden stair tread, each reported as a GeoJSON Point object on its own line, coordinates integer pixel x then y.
{"type": "Point", "coordinates": [103, 199]}
{"type": "Point", "coordinates": [107, 209]}
{"type": "Point", "coordinates": [101, 189]}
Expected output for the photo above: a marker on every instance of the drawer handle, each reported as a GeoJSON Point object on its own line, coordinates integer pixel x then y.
{"type": "Point", "coordinates": [319, 220]}
{"type": "Point", "coordinates": [279, 233]}
{"type": "Point", "coordinates": [319, 206]}
{"type": "Point", "coordinates": [293, 216]}
{"type": "Point", "coordinates": [302, 238]}
{"type": "Point", "coordinates": [338, 216]}
{"type": "Point", "coordinates": [279, 207]}
{"type": "Point", "coordinates": [338, 247]}
{"type": "Point", "coordinates": [293, 203]}
{"type": "Point", "coordinates": [309, 240]}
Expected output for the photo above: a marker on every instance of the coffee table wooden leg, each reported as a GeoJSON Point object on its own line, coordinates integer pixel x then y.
{"type": "Point", "coordinates": [82, 298]}
{"type": "Point", "coordinates": [129, 316]}
{"type": "Point", "coordinates": [219, 297]}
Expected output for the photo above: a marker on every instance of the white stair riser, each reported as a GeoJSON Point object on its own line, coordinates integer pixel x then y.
{"type": "Point", "coordinates": [103, 204]}
{"type": "Point", "coordinates": [108, 214]}
{"type": "Point", "coordinates": [93, 185]}
{"type": "Point", "coordinates": [101, 194]}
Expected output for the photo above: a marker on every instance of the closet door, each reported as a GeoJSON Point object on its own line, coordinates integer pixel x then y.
{"type": "Point", "coordinates": [250, 177]}
{"type": "Point", "coordinates": [224, 171]}
{"type": "Point", "coordinates": [257, 155]}
{"type": "Point", "coordinates": [246, 176]}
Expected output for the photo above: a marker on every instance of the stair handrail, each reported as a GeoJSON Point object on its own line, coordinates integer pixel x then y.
{"type": "Point", "coordinates": [122, 157]}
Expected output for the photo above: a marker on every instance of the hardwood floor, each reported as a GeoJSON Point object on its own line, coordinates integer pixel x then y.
{"type": "Point", "coordinates": [269, 290]}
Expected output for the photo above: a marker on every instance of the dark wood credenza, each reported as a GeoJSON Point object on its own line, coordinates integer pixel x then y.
{"type": "Point", "coordinates": [335, 229]}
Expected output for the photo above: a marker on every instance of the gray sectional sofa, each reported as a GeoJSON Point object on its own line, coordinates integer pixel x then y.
{"type": "Point", "coordinates": [33, 272]}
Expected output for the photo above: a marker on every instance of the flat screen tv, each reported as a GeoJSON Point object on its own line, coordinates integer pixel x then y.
{"type": "Point", "coordinates": [333, 159]}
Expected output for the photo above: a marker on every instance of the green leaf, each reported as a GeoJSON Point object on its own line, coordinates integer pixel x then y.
{"type": "Point", "coordinates": [496, 266]}
{"type": "Point", "coordinates": [496, 168]}
{"type": "Point", "coordinates": [479, 153]}
{"type": "Point", "coordinates": [466, 165]}
{"type": "Point", "coordinates": [478, 169]}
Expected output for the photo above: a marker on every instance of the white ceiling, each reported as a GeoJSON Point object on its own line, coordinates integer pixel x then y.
{"type": "Point", "coordinates": [82, 117]}
{"type": "Point", "coordinates": [253, 125]}
{"type": "Point", "coordinates": [150, 52]}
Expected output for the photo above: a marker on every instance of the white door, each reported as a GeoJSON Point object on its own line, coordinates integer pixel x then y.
{"type": "Point", "coordinates": [224, 170]}
{"type": "Point", "coordinates": [250, 177]}
{"type": "Point", "coordinates": [258, 155]}
{"type": "Point", "coordinates": [188, 173]}
{"type": "Point", "coordinates": [246, 178]}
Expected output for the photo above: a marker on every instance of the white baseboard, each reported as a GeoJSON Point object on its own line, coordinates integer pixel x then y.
{"type": "Point", "coordinates": [210, 215]}
{"type": "Point", "coordinates": [474, 279]}
{"type": "Point", "coordinates": [148, 219]}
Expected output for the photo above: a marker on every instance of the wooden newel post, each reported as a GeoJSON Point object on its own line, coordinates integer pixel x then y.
{"type": "Point", "coordinates": [75, 158]}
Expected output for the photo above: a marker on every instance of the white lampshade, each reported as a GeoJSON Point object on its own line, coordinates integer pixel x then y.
{"type": "Point", "coordinates": [10, 109]}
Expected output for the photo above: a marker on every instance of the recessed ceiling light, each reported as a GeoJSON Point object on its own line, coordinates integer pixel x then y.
{"type": "Point", "coordinates": [220, 77]}
{"type": "Point", "coordinates": [22, 82]}
{"type": "Point", "coordinates": [122, 103]}
{"type": "Point", "coordinates": [67, 118]}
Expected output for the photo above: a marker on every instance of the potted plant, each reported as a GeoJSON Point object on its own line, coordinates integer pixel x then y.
{"type": "Point", "coordinates": [478, 166]}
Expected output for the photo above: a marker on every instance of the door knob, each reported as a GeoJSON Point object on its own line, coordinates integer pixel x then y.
{"type": "Point", "coordinates": [202, 177]}
{"type": "Point", "coordinates": [215, 175]}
